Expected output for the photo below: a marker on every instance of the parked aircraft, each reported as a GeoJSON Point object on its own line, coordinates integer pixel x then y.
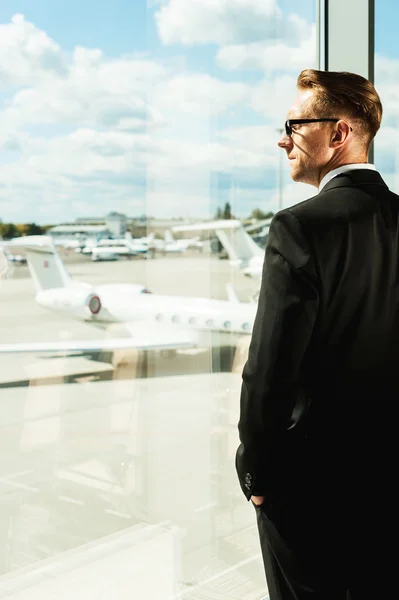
{"type": "Point", "coordinates": [242, 251]}
{"type": "Point", "coordinates": [183, 243]}
{"type": "Point", "coordinates": [17, 259]}
{"type": "Point", "coordinates": [150, 321]}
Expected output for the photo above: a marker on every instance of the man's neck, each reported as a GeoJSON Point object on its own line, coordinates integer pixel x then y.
{"type": "Point", "coordinates": [344, 169]}
{"type": "Point", "coordinates": [332, 165]}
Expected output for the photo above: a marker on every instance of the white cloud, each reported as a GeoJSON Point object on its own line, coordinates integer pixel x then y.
{"type": "Point", "coordinates": [258, 140]}
{"type": "Point", "coordinates": [111, 94]}
{"type": "Point", "coordinates": [271, 57]}
{"type": "Point", "coordinates": [199, 94]}
{"type": "Point", "coordinates": [132, 133]}
{"type": "Point", "coordinates": [292, 193]}
{"type": "Point", "coordinates": [61, 102]}
{"type": "Point", "coordinates": [273, 97]}
{"type": "Point", "coordinates": [221, 22]}
{"type": "Point", "coordinates": [386, 69]}
{"type": "Point", "coordinates": [27, 54]}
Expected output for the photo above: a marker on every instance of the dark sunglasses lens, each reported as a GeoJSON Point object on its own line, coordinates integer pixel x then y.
{"type": "Point", "coordinates": [288, 129]}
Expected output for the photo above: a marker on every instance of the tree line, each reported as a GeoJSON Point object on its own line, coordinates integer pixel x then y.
{"type": "Point", "coordinates": [256, 214]}
{"type": "Point", "coordinates": [12, 230]}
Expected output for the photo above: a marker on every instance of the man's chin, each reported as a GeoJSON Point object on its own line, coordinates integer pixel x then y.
{"type": "Point", "coordinates": [295, 175]}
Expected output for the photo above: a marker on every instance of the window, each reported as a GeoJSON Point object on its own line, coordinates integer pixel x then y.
{"type": "Point", "coordinates": [124, 121]}
{"type": "Point", "coordinates": [386, 62]}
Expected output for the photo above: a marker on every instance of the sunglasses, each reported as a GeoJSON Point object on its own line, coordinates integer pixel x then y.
{"type": "Point", "coordinates": [288, 124]}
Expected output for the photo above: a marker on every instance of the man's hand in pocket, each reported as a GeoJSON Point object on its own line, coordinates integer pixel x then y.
{"type": "Point", "coordinates": [258, 500]}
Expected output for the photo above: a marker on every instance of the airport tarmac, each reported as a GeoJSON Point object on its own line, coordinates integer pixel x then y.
{"type": "Point", "coordinates": [114, 472]}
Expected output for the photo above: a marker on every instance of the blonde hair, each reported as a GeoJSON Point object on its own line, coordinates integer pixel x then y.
{"type": "Point", "coordinates": [339, 94]}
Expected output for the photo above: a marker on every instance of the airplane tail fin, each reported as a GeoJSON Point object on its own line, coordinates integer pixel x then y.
{"type": "Point", "coordinates": [3, 264]}
{"type": "Point", "coordinates": [46, 267]}
{"type": "Point", "coordinates": [169, 236]}
{"type": "Point", "coordinates": [231, 294]}
{"type": "Point", "coordinates": [239, 245]}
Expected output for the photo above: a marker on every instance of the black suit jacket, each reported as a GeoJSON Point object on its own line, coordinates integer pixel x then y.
{"type": "Point", "coordinates": [321, 385]}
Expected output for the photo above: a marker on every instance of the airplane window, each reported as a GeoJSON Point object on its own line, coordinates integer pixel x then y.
{"type": "Point", "coordinates": [227, 324]}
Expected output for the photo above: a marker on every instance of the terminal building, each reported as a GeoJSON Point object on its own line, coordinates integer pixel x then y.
{"type": "Point", "coordinates": [114, 225]}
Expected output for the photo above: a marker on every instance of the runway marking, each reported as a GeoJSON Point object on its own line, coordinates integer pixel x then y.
{"type": "Point", "coordinates": [206, 506]}
{"type": "Point", "coordinates": [217, 576]}
{"type": "Point", "coordinates": [71, 500]}
{"type": "Point", "coordinates": [22, 486]}
{"type": "Point", "coordinates": [20, 474]}
{"type": "Point", "coordinates": [110, 511]}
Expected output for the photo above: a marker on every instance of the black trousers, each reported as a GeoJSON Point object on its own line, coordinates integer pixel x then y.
{"type": "Point", "coordinates": [315, 550]}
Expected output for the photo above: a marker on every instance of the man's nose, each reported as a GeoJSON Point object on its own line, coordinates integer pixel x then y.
{"type": "Point", "coordinates": [285, 141]}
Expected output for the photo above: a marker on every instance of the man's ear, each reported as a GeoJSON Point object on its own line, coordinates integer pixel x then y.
{"type": "Point", "coordinates": [340, 134]}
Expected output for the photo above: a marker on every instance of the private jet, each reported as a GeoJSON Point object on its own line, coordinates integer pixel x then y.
{"type": "Point", "coordinates": [149, 321]}
{"type": "Point", "coordinates": [241, 249]}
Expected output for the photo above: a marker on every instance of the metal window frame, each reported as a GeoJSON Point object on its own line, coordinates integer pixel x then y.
{"type": "Point", "coordinates": [345, 38]}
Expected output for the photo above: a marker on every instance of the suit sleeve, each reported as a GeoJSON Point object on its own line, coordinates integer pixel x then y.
{"type": "Point", "coordinates": [271, 409]}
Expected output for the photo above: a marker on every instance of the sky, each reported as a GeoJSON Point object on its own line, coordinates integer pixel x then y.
{"type": "Point", "coordinates": [166, 108]}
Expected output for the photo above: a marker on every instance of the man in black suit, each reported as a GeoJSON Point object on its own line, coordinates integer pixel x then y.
{"type": "Point", "coordinates": [318, 452]}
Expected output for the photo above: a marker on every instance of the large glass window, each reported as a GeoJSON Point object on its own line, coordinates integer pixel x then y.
{"type": "Point", "coordinates": [386, 82]}
{"type": "Point", "coordinates": [121, 342]}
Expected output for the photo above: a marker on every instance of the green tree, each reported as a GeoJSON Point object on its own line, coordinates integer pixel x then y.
{"type": "Point", "coordinates": [33, 229]}
{"type": "Point", "coordinates": [227, 211]}
{"type": "Point", "coordinates": [8, 230]}
{"type": "Point", "coordinates": [219, 214]}
{"type": "Point", "coordinates": [259, 215]}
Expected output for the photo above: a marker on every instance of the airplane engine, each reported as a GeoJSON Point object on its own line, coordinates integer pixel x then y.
{"type": "Point", "coordinates": [79, 303]}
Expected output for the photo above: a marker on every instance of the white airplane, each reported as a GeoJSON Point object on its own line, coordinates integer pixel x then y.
{"type": "Point", "coordinates": [15, 258]}
{"type": "Point", "coordinates": [243, 252]}
{"type": "Point", "coordinates": [113, 248]}
{"type": "Point", "coordinates": [183, 243]}
{"type": "Point", "coordinates": [151, 321]}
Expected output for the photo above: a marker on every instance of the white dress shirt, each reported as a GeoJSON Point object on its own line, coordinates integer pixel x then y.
{"type": "Point", "coordinates": [344, 169]}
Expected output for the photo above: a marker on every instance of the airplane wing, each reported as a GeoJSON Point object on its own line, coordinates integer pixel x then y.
{"type": "Point", "coordinates": [149, 342]}
{"type": "Point", "coordinates": [210, 225]}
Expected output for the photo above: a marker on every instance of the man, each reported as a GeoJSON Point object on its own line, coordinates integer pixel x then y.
{"type": "Point", "coordinates": [318, 452]}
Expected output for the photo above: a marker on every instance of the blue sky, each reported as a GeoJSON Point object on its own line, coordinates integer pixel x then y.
{"type": "Point", "coordinates": [153, 124]}
{"type": "Point", "coordinates": [87, 22]}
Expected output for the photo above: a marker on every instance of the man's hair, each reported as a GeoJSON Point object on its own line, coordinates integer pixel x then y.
{"type": "Point", "coordinates": [342, 94]}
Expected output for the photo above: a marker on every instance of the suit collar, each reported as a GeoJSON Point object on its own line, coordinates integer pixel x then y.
{"type": "Point", "coordinates": [355, 178]}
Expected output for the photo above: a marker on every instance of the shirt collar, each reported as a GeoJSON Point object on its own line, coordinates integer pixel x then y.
{"type": "Point", "coordinates": [344, 169]}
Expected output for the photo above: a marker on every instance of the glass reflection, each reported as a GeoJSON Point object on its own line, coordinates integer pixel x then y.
{"type": "Point", "coordinates": [120, 125]}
